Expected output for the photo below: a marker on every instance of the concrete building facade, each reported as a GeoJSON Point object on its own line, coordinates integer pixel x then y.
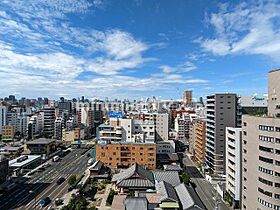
{"type": "Point", "coordinates": [233, 163]}
{"type": "Point", "coordinates": [222, 112]}
{"type": "Point", "coordinates": [261, 153]}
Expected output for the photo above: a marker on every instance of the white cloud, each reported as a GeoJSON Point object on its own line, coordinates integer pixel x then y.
{"type": "Point", "coordinates": [181, 68]}
{"type": "Point", "coordinates": [43, 53]}
{"type": "Point", "coordinates": [248, 28]}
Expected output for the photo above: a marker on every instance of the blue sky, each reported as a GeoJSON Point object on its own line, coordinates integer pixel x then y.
{"type": "Point", "coordinates": [137, 48]}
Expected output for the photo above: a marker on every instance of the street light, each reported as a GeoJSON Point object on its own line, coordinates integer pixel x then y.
{"type": "Point", "coordinates": [33, 192]}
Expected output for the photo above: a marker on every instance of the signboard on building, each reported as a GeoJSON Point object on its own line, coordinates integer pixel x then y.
{"type": "Point", "coordinates": [113, 114]}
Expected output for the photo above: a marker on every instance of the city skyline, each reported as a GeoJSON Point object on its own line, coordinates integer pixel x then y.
{"type": "Point", "coordinates": [106, 48]}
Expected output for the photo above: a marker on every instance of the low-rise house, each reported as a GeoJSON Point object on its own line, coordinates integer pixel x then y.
{"type": "Point", "coordinates": [168, 196]}
{"type": "Point", "coordinates": [135, 178]}
{"type": "Point", "coordinates": [42, 146]}
{"type": "Point", "coordinates": [172, 167]}
{"type": "Point", "coordinates": [171, 177]}
{"type": "Point", "coordinates": [98, 170]}
{"type": "Point", "coordinates": [136, 203]}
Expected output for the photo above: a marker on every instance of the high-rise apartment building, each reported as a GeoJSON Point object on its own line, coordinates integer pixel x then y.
{"type": "Point", "coordinates": [261, 153]}
{"type": "Point", "coordinates": [49, 118]}
{"type": "Point", "coordinates": [233, 164]}
{"type": "Point", "coordinates": [162, 126]}
{"type": "Point", "coordinates": [187, 97]}
{"type": "Point", "coordinates": [222, 112]}
{"type": "Point", "coordinates": [3, 117]}
{"type": "Point", "coordinates": [58, 126]}
{"type": "Point", "coordinates": [199, 128]}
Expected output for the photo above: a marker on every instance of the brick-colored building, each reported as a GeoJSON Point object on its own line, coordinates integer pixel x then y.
{"type": "Point", "coordinates": [8, 131]}
{"type": "Point", "coordinates": [124, 154]}
{"type": "Point", "coordinates": [200, 141]}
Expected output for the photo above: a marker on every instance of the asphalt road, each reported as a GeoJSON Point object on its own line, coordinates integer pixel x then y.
{"type": "Point", "coordinates": [203, 188]}
{"type": "Point", "coordinates": [44, 183]}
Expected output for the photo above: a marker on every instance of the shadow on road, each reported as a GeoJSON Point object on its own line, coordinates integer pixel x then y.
{"type": "Point", "coordinates": [23, 197]}
{"type": "Point", "coordinates": [193, 172]}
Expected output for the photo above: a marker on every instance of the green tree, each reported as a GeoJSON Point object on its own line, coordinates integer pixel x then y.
{"type": "Point", "coordinates": [185, 178]}
{"type": "Point", "coordinates": [110, 198]}
{"type": "Point", "coordinates": [72, 180]}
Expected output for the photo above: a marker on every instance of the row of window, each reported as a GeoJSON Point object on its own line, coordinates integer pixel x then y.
{"type": "Point", "coordinates": [266, 138]}
{"type": "Point", "coordinates": [265, 203]}
{"type": "Point", "coordinates": [265, 170]}
{"type": "Point", "coordinates": [269, 128]}
{"type": "Point", "coordinates": [266, 149]}
{"type": "Point", "coordinates": [267, 193]}
{"type": "Point", "coordinates": [264, 181]}
{"type": "Point", "coordinates": [266, 160]}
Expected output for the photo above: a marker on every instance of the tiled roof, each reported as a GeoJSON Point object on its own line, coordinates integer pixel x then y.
{"type": "Point", "coordinates": [167, 192]}
{"type": "Point", "coordinates": [171, 177]}
{"type": "Point", "coordinates": [139, 183]}
{"type": "Point", "coordinates": [136, 176]}
{"type": "Point", "coordinates": [136, 203]}
{"type": "Point", "coordinates": [172, 168]}
{"type": "Point", "coordinates": [184, 196]}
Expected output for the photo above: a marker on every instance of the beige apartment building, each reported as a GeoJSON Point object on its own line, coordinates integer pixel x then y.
{"type": "Point", "coordinates": [8, 131]}
{"type": "Point", "coordinates": [261, 154]}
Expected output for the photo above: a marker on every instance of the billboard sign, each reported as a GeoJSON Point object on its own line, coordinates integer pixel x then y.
{"type": "Point", "coordinates": [113, 114]}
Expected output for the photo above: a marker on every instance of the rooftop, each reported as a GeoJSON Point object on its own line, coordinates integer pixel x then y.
{"type": "Point", "coordinates": [274, 70]}
{"type": "Point", "coordinates": [167, 192]}
{"type": "Point", "coordinates": [134, 176]}
{"type": "Point", "coordinates": [41, 141]}
{"type": "Point", "coordinates": [30, 159]}
{"type": "Point", "coordinates": [136, 203]}
{"type": "Point", "coordinates": [171, 177]}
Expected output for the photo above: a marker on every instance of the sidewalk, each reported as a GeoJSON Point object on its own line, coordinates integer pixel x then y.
{"type": "Point", "coordinates": [104, 198]}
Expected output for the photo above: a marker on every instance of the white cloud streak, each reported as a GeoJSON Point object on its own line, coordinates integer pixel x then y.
{"type": "Point", "coordinates": [249, 28]}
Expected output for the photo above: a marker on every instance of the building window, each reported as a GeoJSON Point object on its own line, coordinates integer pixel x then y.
{"type": "Point", "coordinates": [264, 181]}
{"type": "Point", "coordinates": [266, 171]}
{"type": "Point", "coordinates": [266, 160]}
{"type": "Point", "coordinates": [266, 138]}
{"type": "Point", "coordinates": [277, 196]}
{"type": "Point", "coordinates": [264, 203]}
{"type": "Point", "coordinates": [267, 193]}
{"type": "Point", "coordinates": [266, 149]}
{"type": "Point", "coordinates": [266, 128]}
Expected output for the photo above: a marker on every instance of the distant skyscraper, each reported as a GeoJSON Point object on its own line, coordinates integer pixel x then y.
{"type": "Point", "coordinates": [187, 97]}
{"type": "Point", "coordinates": [222, 112]}
{"type": "Point", "coordinates": [3, 117]}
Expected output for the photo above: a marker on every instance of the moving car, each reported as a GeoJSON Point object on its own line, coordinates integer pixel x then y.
{"type": "Point", "coordinates": [58, 201]}
{"type": "Point", "coordinates": [44, 202]}
{"type": "Point", "coordinates": [55, 158]}
{"type": "Point", "coordinates": [60, 180]}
